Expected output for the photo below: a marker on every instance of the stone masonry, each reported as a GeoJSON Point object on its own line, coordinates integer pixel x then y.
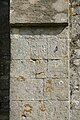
{"type": "Point", "coordinates": [45, 60]}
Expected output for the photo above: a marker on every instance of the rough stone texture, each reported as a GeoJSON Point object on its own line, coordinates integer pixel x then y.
{"type": "Point", "coordinates": [75, 62]}
{"type": "Point", "coordinates": [38, 11]}
{"type": "Point", "coordinates": [33, 110]}
{"type": "Point", "coordinates": [58, 68]}
{"type": "Point", "coordinates": [39, 73]}
{"type": "Point", "coordinates": [56, 89]}
{"type": "Point", "coordinates": [25, 89]}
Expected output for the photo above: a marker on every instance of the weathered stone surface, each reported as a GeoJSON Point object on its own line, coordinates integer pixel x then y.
{"type": "Point", "coordinates": [56, 89]}
{"type": "Point", "coordinates": [32, 89]}
{"type": "Point", "coordinates": [57, 48]}
{"type": "Point", "coordinates": [29, 68]}
{"type": "Point", "coordinates": [75, 115]}
{"type": "Point", "coordinates": [75, 28]}
{"type": "Point", "coordinates": [38, 43]}
{"type": "Point", "coordinates": [31, 110]}
{"type": "Point", "coordinates": [39, 55]}
{"type": "Point", "coordinates": [58, 68]}
{"type": "Point", "coordinates": [38, 11]}
{"type": "Point", "coordinates": [75, 61]}
{"type": "Point", "coordinates": [75, 89]}
{"type": "Point", "coordinates": [20, 68]}
{"type": "Point", "coordinates": [26, 89]}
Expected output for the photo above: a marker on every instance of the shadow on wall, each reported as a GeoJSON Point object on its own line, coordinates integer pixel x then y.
{"type": "Point", "coordinates": [4, 59]}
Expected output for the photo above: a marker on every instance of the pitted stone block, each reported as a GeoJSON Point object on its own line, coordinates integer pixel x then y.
{"type": "Point", "coordinates": [58, 68]}
{"type": "Point", "coordinates": [38, 11]}
{"type": "Point", "coordinates": [31, 110]}
{"type": "Point", "coordinates": [26, 89]}
{"type": "Point", "coordinates": [41, 68]}
{"type": "Point", "coordinates": [56, 89]}
{"type": "Point", "coordinates": [38, 43]}
{"type": "Point", "coordinates": [38, 47]}
{"type": "Point", "coordinates": [57, 110]}
{"type": "Point", "coordinates": [20, 46]}
{"type": "Point", "coordinates": [57, 48]}
{"type": "Point", "coordinates": [20, 68]}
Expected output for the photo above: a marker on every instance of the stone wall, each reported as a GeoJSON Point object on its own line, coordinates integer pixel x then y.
{"type": "Point", "coordinates": [45, 60]}
{"type": "Point", "coordinates": [75, 61]}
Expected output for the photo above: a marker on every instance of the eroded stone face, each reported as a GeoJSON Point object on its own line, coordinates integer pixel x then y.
{"type": "Point", "coordinates": [31, 110]}
{"type": "Point", "coordinates": [39, 83]}
{"type": "Point", "coordinates": [75, 61]}
{"type": "Point", "coordinates": [38, 11]}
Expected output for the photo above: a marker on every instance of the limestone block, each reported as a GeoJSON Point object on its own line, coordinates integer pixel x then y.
{"type": "Point", "coordinates": [38, 11]}
{"type": "Point", "coordinates": [57, 110]}
{"type": "Point", "coordinates": [31, 110]}
{"type": "Point", "coordinates": [26, 89]}
{"type": "Point", "coordinates": [20, 46]}
{"type": "Point", "coordinates": [38, 43]}
{"type": "Point", "coordinates": [29, 68]}
{"type": "Point", "coordinates": [75, 115]}
{"type": "Point", "coordinates": [56, 89]}
{"type": "Point", "coordinates": [20, 68]}
{"type": "Point", "coordinates": [57, 48]}
{"type": "Point", "coordinates": [38, 47]}
{"type": "Point", "coordinates": [41, 68]}
{"type": "Point", "coordinates": [58, 68]}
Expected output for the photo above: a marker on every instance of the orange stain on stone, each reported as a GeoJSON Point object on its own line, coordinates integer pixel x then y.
{"type": "Point", "coordinates": [66, 57]}
{"type": "Point", "coordinates": [49, 86]}
{"type": "Point", "coordinates": [42, 107]}
{"type": "Point", "coordinates": [28, 108]}
{"type": "Point", "coordinates": [49, 89]}
{"type": "Point", "coordinates": [21, 78]}
{"type": "Point", "coordinates": [49, 81]}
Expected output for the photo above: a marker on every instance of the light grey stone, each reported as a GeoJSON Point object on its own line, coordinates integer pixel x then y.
{"type": "Point", "coordinates": [57, 110]}
{"type": "Point", "coordinates": [20, 47]}
{"type": "Point", "coordinates": [41, 68]}
{"type": "Point", "coordinates": [56, 89]}
{"type": "Point", "coordinates": [20, 68]}
{"type": "Point", "coordinates": [38, 47]}
{"type": "Point", "coordinates": [26, 110]}
{"type": "Point", "coordinates": [43, 110]}
{"type": "Point", "coordinates": [36, 44]}
{"type": "Point", "coordinates": [57, 48]}
{"type": "Point", "coordinates": [26, 89]}
{"type": "Point", "coordinates": [58, 68]}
